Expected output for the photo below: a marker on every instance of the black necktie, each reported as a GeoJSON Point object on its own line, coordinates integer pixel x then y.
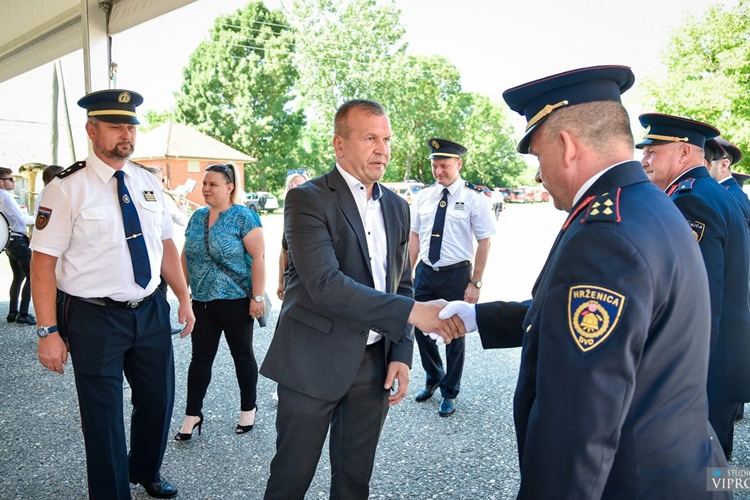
{"type": "Point", "coordinates": [133, 233]}
{"type": "Point", "coordinates": [437, 228]}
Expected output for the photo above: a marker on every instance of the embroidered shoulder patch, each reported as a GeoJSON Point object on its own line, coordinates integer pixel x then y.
{"type": "Point", "coordinates": [42, 217]}
{"type": "Point", "coordinates": [698, 229]}
{"type": "Point", "coordinates": [593, 314]}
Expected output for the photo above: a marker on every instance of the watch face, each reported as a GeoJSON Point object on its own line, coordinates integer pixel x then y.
{"type": "Point", "coordinates": [477, 284]}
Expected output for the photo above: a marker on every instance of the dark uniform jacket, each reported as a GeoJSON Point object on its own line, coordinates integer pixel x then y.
{"type": "Point", "coordinates": [330, 304]}
{"type": "Point", "coordinates": [721, 230]}
{"type": "Point", "coordinates": [611, 399]}
{"type": "Point", "coordinates": [734, 188]}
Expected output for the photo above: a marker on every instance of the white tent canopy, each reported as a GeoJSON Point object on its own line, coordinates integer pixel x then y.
{"type": "Point", "coordinates": [36, 32]}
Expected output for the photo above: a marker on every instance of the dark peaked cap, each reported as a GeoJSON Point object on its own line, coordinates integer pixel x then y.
{"type": "Point", "coordinates": [732, 152]}
{"type": "Point", "coordinates": [443, 148]}
{"type": "Point", "coordinates": [114, 106]}
{"type": "Point", "coordinates": [538, 99]}
{"type": "Point", "coordinates": [664, 129]}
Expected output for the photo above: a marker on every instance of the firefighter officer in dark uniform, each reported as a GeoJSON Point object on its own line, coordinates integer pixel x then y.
{"type": "Point", "coordinates": [673, 158]}
{"type": "Point", "coordinates": [611, 399]}
{"type": "Point", "coordinates": [447, 218]}
{"type": "Point", "coordinates": [104, 224]}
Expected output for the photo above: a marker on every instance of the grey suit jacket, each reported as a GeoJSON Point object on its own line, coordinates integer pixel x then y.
{"type": "Point", "coordinates": [330, 304]}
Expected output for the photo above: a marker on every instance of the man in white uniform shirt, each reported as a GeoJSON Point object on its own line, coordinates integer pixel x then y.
{"type": "Point", "coordinates": [103, 222]}
{"type": "Point", "coordinates": [18, 251]}
{"type": "Point", "coordinates": [446, 218]}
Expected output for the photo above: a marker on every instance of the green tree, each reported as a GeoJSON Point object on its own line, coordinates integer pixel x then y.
{"type": "Point", "coordinates": [237, 88]}
{"type": "Point", "coordinates": [492, 158]}
{"type": "Point", "coordinates": [707, 73]}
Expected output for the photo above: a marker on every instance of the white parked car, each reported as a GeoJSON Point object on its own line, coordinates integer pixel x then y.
{"type": "Point", "coordinates": [261, 201]}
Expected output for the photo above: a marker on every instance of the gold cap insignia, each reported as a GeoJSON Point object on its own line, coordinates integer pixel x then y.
{"type": "Point", "coordinates": [435, 144]}
{"type": "Point", "coordinates": [124, 97]}
{"type": "Point", "coordinates": [593, 314]}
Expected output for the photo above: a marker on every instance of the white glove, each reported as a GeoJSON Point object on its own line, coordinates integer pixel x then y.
{"type": "Point", "coordinates": [434, 336]}
{"type": "Point", "coordinates": [464, 310]}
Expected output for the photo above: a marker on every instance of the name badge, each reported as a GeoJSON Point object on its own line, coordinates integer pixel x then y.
{"type": "Point", "coordinates": [459, 205]}
{"type": "Point", "coordinates": [149, 195]}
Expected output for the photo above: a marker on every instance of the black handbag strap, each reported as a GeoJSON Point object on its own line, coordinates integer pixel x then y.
{"type": "Point", "coordinates": [224, 268]}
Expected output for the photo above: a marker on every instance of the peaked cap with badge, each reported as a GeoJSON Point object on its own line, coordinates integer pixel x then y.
{"type": "Point", "coordinates": [442, 148]}
{"type": "Point", "coordinates": [113, 106]}
{"type": "Point", "coordinates": [538, 99]}
{"type": "Point", "coordinates": [665, 129]}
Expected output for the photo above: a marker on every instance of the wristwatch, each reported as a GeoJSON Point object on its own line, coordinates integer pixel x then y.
{"type": "Point", "coordinates": [258, 298]}
{"type": "Point", "coordinates": [476, 283]}
{"type": "Point", "coordinates": [45, 331]}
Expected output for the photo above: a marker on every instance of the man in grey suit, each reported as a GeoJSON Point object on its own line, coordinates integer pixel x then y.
{"type": "Point", "coordinates": [343, 345]}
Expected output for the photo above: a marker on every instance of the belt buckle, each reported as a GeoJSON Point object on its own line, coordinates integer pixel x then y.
{"type": "Point", "coordinates": [134, 303]}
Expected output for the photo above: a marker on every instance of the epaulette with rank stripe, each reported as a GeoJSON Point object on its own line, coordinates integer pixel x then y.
{"type": "Point", "coordinates": [686, 185]}
{"type": "Point", "coordinates": [605, 208]}
{"type": "Point", "coordinates": [472, 186]}
{"type": "Point", "coordinates": [72, 169]}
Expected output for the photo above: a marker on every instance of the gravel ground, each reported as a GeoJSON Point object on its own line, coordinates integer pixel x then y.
{"type": "Point", "coordinates": [471, 455]}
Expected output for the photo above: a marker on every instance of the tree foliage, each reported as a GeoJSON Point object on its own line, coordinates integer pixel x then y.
{"type": "Point", "coordinates": [268, 84]}
{"type": "Point", "coordinates": [707, 73]}
{"type": "Point", "coordinates": [237, 88]}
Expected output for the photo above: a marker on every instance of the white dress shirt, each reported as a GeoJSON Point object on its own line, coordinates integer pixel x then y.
{"type": "Point", "coordinates": [372, 220]}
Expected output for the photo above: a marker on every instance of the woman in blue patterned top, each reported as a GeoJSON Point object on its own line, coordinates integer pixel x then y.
{"type": "Point", "coordinates": [220, 240]}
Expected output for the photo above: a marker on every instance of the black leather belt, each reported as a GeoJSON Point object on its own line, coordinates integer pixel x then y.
{"type": "Point", "coordinates": [107, 302]}
{"type": "Point", "coordinates": [448, 268]}
{"type": "Point", "coordinates": [18, 236]}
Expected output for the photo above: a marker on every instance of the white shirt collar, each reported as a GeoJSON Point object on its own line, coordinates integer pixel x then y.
{"type": "Point", "coordinates": [592, 180]}
{"type": "Point", "coordinates": [354, 183]}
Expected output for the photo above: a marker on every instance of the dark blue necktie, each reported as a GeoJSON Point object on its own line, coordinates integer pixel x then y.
{"type": "Point", "coordinates": [437, 228]}
{"type": "Point", "coordinates": [133, 233]}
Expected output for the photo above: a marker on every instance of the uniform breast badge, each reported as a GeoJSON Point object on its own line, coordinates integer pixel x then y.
{"type": "Point", "coordinates": [149, 195]}
{"type": "Point", "coordinates": [593, 314]}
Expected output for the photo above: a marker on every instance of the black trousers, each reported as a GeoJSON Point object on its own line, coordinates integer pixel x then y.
{"type": "Point", "coordinates": [355, 421]}
{"type": "Point", "coordinates": [106, 342]}
{"type": "Point", "coordinates": [19, 256]}
{"type": "Point", "coordinates": [211, 318]}
{"type": "Point", "coordinates": [722, 419]}
{"type": "Point", "coordinates": [448, 285]}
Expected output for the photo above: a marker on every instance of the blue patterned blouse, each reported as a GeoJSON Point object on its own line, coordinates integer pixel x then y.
{"type": "Point", "coordinates": [207, 280]}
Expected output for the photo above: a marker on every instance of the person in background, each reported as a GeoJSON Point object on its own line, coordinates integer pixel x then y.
{"type": "Point", "coordinates": [723, 156]}
{"type": "Point", "coordinates": [101, 239]}
{"type": "Point", "coordinates": [673, 158]}
{"type": "Point", "coordinates": [611, 396]}
{"type": "Point", "coordinates": [49, 173]}
{"type": "Point", "coordinates": [343, 345]}
{"type": "Point", "coordinates": [446, 220]}
{"type": "Point", "coordinates": [294, 178]}
{"type": "Point", "coordinates": [19, 255]}
{"type": "Point", "coordinates": [228, 293]}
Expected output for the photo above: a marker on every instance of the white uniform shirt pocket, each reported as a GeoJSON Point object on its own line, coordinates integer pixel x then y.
{"type": "Point", "coordinates": [97, 226]}
{"type": "Point", "coordinates": [151, 214]}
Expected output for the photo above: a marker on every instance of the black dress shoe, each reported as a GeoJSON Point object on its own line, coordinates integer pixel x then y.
{"type": "Point", "coordinates": [11, 317]}
{"type": "Point", "coordinates": [26, 319]}
{"type": "Point", "coordinates": [156, 489]}
{"type": "Point", "coordinates": [447, 407]}
{"type": "Point", "coordinates": [427, 392]}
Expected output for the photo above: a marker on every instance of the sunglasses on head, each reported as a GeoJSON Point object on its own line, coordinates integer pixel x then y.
{"type": "Point", "coordinates": [225, 169]}
{"type": "Point", "coordinates": [297, 171]}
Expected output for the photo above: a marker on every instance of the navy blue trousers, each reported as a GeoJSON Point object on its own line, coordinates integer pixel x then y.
{"type": "Point", "coordinates": [448, 285]}
{"type": "Point", "coordinates": [106, 342]}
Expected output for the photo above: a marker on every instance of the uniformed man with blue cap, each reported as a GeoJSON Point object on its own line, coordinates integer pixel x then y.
{"type": "Point", "coordinates": [724, 155]}
{"type": "Point", "coordinates": [451, 226]}
{"type": "Point", "coordinates": [103, 224]}
{"type": "Point", "coordinates": [611, 399]}
{"type": "Point", "coordinates": [673, 157]}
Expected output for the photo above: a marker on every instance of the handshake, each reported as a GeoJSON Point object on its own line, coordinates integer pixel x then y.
{"type": "Point", "coordinates": [444, 321]}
